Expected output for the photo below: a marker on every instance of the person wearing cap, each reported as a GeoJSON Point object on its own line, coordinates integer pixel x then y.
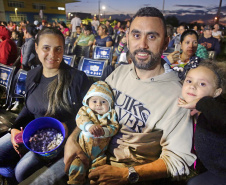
{"type": "Point", "coordinates": [210, 43]}
{"type": "Point", "coordinates": [86, 38]}
{"type": "Point", "coordinates": [97, 121]}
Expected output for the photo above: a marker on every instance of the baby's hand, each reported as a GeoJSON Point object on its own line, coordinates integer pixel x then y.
{"type": "Point", "coordinates": [96, 130]}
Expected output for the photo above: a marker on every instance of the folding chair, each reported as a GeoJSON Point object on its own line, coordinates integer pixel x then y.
{"type": "Point", "coordinates": [81, 51]}
{"type": "Point", "coordinates": [70, 60]}
{"type": "Point", "coordinates": [6, 76]}
{"type": "Point", "coordinates": [92, 68]}
{"type": "Point", "coordinates": [102, 53]}
{"type": "Point", "coordinates": [18, 86]}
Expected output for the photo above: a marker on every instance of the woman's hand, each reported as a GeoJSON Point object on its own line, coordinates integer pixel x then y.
{"type": "Point", "coordinates": [72, 150]}
{"type": "Point", "coordinates": [174, 57]}
{"type": "Point", "coordinates": [14, 132]}
{"type": "Point", "coordinates": [108, 175]}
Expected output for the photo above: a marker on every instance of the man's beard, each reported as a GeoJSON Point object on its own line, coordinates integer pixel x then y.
{"type": "Point", "coordinates": [154, 59]}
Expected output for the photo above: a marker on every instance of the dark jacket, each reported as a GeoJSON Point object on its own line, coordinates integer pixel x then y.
{"type": "Point", "coordinates": [210, 134]}
{"type": "Point", "coordinates": [211, 44]}
{"type": "Point", "coordinates": [28, 53]}
{"type": "Point", "coordinates": [77, 90]}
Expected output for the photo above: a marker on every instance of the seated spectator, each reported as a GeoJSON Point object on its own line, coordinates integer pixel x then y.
{"type": "Point", "coordinates": [66, 32]}
{"type": "Point", "coordinates": [189, 44]}
{"type": "Point", "coordinates": [3, 23]}
{"type": "Point", "coordinates": [28, 53]}
{"type": "Point", "coordinates": [17, 38]}
{"type": "Point", "coordinates": [55, 90]}
{"type": "Point", "coordinates": [8, 49]}
{"type": "Point", "coordinates": [78, 31]}
{"type": "Point", "coordinates": [103, 39]}
{"type": "Point", "coordinates": [10, 26]}
{"type": "Point", "coordinates": [210, 43]}
{"type": "Point", "coordinates": [176, 39]}
{"type": "Point", "coordinates": [64, 29]}
{"type": "Point", "coordinates": [216, 33]}
{"type": "Point", "coordinates": [169, 30]}
{"type": "Point", "coordinates": [86, 38]}
{"type": "Point", "coordinates": [117, 26]}
{"type": "Point", "coordinates": [110, 29]}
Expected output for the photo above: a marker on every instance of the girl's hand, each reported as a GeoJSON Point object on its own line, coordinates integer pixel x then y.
{"type": "Point", "coordinates": [96, 130]}
{"type": "Point", "coordinates": [14, 132]}
{"type": "Point", "coordinates": [190, 105]}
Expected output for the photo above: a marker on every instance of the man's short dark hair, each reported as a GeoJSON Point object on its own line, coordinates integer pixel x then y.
{"type": "Point", "coordinates": [150, 12]}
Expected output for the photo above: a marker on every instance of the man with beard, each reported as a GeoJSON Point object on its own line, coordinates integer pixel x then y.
{"type": "Point", "coordinates": [155, 138]}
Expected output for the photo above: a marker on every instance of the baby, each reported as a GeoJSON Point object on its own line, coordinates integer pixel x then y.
{"type": "Point", "coordinates": [98, 123]}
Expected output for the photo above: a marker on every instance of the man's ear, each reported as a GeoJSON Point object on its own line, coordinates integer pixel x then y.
{"type": "Point", "coordinates": [217, 92]}
{"type": "Point", "coordinates": [166, 43]}
{"type": "Point", "coordinates": [127, 38]}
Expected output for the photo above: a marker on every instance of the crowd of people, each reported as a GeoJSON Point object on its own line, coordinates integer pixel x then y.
{"type": "Point", "coordinates": [152, 121]}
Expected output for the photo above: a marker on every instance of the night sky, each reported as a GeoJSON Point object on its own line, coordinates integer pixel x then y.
{"type": "Point", "coordinates": [195, 8]}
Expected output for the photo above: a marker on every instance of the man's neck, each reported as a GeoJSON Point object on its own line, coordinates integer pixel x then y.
{"type": "Point", "coordinates": [146, 74]}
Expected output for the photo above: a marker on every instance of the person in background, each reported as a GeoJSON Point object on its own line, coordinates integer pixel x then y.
{"type": "Point", "coordinates": [54, 90]}
{"type": "Point", "coordinates": [66, 32]}
{"type": "Point", "coordinates": [216, 33]}
{"type": "Point", "coordinates": [103, 39]}
{"type": "Point", "coordinates": [10, 26]}
{"type": "Point", "coordinates": [54, 24]}
{"type": "Point", "coordinates": [180, 31]}
{"type": "Point", "coordinates": [28, 54]}
{"type": "Point", "coordinates": [110, 29]}
{"type": "Point", "coordinates": [78, 31]}
{"type": "Point", "coordinates": [8, 49]}
{"type": "Point", "coordinates": [208, 41]}
{"type": "Point", "coordinates": [169, 29]}
{"type": "Point", "coordinates": [128, 25]}
{"type": "Point", "coordinates": [76, 21]}
{"type": "Point", "coordinates": [189, 44]}
{"type": "Point", "coordinates": [3, 23]}
{"type": "Point", "coordinates": [117, 26]}
{"type": "Point", "coordinates": [95, 22]}
{"type": "Point", "coordinates": [64, 29]}
{"type": "Point", "coordinates": [86, 38]}
{"type": "Point", "coordinates": [17, 38]}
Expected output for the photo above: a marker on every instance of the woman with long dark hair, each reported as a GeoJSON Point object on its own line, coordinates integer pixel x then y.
{"type": "Point", "coordinates": [55, 90]}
